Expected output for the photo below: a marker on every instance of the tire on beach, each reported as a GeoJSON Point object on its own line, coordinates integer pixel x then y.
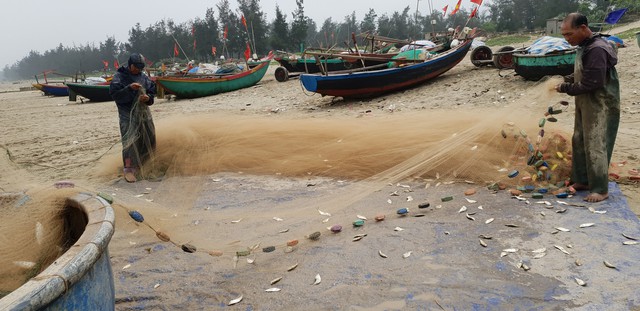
{"type": "Point", "coordinates": [503, 60]}
{"type": "Point", "coordinates": [281, 74]}
{"type": "Point", "coordinates": [481, 56]}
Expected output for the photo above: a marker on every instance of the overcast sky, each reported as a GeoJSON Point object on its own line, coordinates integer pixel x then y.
{"type": "Point", "coordinates": [40, 25]}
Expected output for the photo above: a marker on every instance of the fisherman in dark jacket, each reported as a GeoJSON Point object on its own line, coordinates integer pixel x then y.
{"type": "Point", "coordinates": [596, 88]}
{"type": "Point", "coordinates": [133, 92]}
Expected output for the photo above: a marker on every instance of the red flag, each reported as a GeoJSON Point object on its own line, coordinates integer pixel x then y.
{"type": "Point", "coordinates": [244, 22]}
{"type": "Point", "coordinates": [115, 64]}
{"type": "Point", "coordinates": [213, 50]}
{"type": "Point", "coordinates": [455, 10]}
{"type": "Point", "coordinates": [444, 10]}
{"type": "Point", "coordinates": [226, 31]}
{"type": "Point", "coordinates": [106, 64]}
{"type": "Point", "coordinates": [474, 12]}
{"type": "Point", "coordinates": [175, 50]}
{"type": "Point", "coordinates": [194, 44]}
{"type": "Point", "coordinates": [478, 2]}
{"type": "Point", "coordinates": [247, 52]}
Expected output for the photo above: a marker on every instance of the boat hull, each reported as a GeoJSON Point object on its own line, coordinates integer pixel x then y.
{"type": "Point", "coordinates": [374, 83]}
{"type": "Point", "coordinates": [189, 87]}
{"type": "Point", "coordinates": [55, 90]}
{"type": "Point", "coordinates": [535, 67]}
{"type": "Point", "coordinates": [95, 93]}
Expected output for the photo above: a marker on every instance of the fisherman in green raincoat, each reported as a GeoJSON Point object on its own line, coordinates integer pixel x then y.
{"type": "Point", "coordinates": [596, 88]}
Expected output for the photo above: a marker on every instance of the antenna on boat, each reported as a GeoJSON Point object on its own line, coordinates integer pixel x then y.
{"type": "Point", "coordinates": [180, 46]}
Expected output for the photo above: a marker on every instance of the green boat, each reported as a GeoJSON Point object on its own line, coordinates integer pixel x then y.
{"type": "Point", "coordinates": [207, 85]}
{"type": "Point", "coordinates": [534, 67]}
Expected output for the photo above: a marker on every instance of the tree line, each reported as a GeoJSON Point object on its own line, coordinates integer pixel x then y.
{"type": "Point", "coordinates": [223, 31]}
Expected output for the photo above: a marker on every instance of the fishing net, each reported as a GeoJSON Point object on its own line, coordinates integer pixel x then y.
{"type": "Point", "coordinates": [32, 234]}
{"type": "Point", "coordinates": [509, 148]}
{"type": "Point", "coordinates": [138, 136]}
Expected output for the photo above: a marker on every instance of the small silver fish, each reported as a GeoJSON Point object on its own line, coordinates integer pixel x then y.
{"type": "Point", "coordinates": [629, 242]}
{"type": "Point", "coordinates": [580, 282]}
{"type": "Point", "coordinates": [586, 225]}
{"type": "Point", "coordinates": [609, 265]}
{"type": "Point", "coordinates": [382, 254]}
{"type": "Point", "coordinates": [272, 289]}
{"type": "Point", "coordinates": [488, 221]}
{"type": "Point", "coordinates": [470, 217]}
{"type": "Point", "coordinates": [361, 217]}
{"type": "Point", "coordinates": [561, 249]}
{"type": "Point", "coordinates": [324, 213]}
{"type": "Point", "coordinates": [483, 243]}
{"type": "Point", "coordinates": [462, 209]}
{"type": "Point", "coordinates": [317, 280]}
{"type": "Point", "coordinates": [292, 267]}
{"type": "Point", "coordinates": [562, 229]}
{"type": "Point", "coordinates": [234, 301]}
{"type": "Point", "coordinates": [630, 237]}
{"type": "Point", "coordinates": [539, 255]}
{"type": "Point", "coordinates": [276, 280]}
{"type": "Point", "coordinates": [510, 250]}
{"type": "Point", "coordinates": [407, 254]}
{"type": "Point", "coordinates": [470, 201]}
{"type": "Point", "coordinates": [397, 229]}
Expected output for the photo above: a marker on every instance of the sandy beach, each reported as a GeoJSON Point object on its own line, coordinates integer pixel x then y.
{"type": "Point", "coordinates": [46, 139]}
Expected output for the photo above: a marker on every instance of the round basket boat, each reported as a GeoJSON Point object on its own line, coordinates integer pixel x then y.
{"type": "Point", "coordinates": [80, 279]}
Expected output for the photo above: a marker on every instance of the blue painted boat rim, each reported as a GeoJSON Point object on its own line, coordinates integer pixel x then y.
{"type": "Point", "coordinates": [69, 268]}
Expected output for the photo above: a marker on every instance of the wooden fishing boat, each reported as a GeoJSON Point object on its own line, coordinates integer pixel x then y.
{"type": "Point", "coordinates": [325, 61]}
{"type": "Point", "coordinates": [207, 85]}
{"type": "Point", "coordinates": [533, 66]}
{"type": "Point", "coordinates": [94, 92]}
{"type": "Point", "coordinates": [363, 83]}
{"type": "Point", "coordinates": [52, 88]}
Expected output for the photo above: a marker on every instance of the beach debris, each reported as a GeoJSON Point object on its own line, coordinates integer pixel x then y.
{"type": "Point", "coordinates": [629, 237]}
{"type": "Point", "coordinates": [106, 197]}
{"type": "Point", "coordinates": [239, 220]}
{"type": "Point", "coordinates": [284, 230]}
{"type": "Point", "coordinates": [470, 217]}
{"type": "Point", "coordinates": [394, 194]}
{"type": "Point", "coordinates": [241, 253]}
{"type": "Point", "coordinates": [314, 236]}
{"type": "Point", "coordinates": [188, 248]}
{"type": "Point", "coordinates": [403, 211]}
{"type": "Point", "coordinates": [251, 260]}
{"type": "Point", "coordinates": [324, 213]}
{"type": "Point", "coordinates": [397, 229]}
{"type": "Point", "coordinates": [512, 225]}
{"type": "Point", "coordinates": [486, 237]}
{"type": "Point", "coordinates": [64, 184]}
{"type": "Point", "coordinates": [326, 220]}
{"type": "Point", "coordinates": [156, 285]}
{"type": "Point", "coordinates": [361, 217]}
{"type": "Point", "coordinates": [358, 237]}
{"type": "Point", "coordinates": [215, 253]}
{"type": "Point", "coordinates": [543, 213]}
{"type": "Point", "coordinates": [539, 255]}
{"type": "Point", "coordinates": [409, 198]}
{"type": "Point", "coordinates": [317, 280]}
{"type": "Point", "coordinates": [560, 248]}
{"type": "Point", "coordinates": [462, 209]}
{"type": "Point", "coordinates": [630, 242]}
{"type": "Point", "coordinates": [561, 211]}
{"type": "Point", "coordinates": [562, 229]}
{"type": "Point", "coordinates": [587, 225]}
{"type": "Point", "coordinates": [336, 228]}
{"type": "Point", "coordinates": [379, 217]}
{"type": "Point", "coordinates": [292, 243]}
{"type": "Point", "coordinates": [480, 207]}
{"type": "Point", "coordinates": [488, 221]}
{"type": "Point", "coordinates": [407, 254]}
{"type": "Point", "coordinates": [358, 223]}
{"type": "Point", "coordinates": [135, 215]}
{"type": "Point", "coordinates": [483, 243]}
{"type": "Point", "coordinates": [510, 250]}
{"type": "Point", "coordinates": [272, 290]}
{"type": "Point", "coordinates": [578, 262]}
{"type": "Point", "coordinates": [609, 265]}
{"type": "Point", "coordinates": [276, 280]}
{"type": "Point", "coordinates": [234, 301]}
{"type": "Point", "coordinates": [515, 192]}
{"type": "Point", "coordinates": [389, 201]}
{"type": "Point", "coordinates": [126, 267]}
{"type": "Point", "coordinates": [292, 268]}
{"type": "Point", "coordinates": [502, 254]}
{"type": "Point", "coordinates": [274, 218]}
{"type": "Point", "coordinates": [580, 282]}
{"type": "Point", "coordinates": [381, 254]}
{"type": "Point", "coordinates": [513, 174]}
{"type": "Point", "coordinates": [470, 201]}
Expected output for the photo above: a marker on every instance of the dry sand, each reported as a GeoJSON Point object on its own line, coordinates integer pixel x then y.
{"type": "Point", "coordinates": [49, 139]}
